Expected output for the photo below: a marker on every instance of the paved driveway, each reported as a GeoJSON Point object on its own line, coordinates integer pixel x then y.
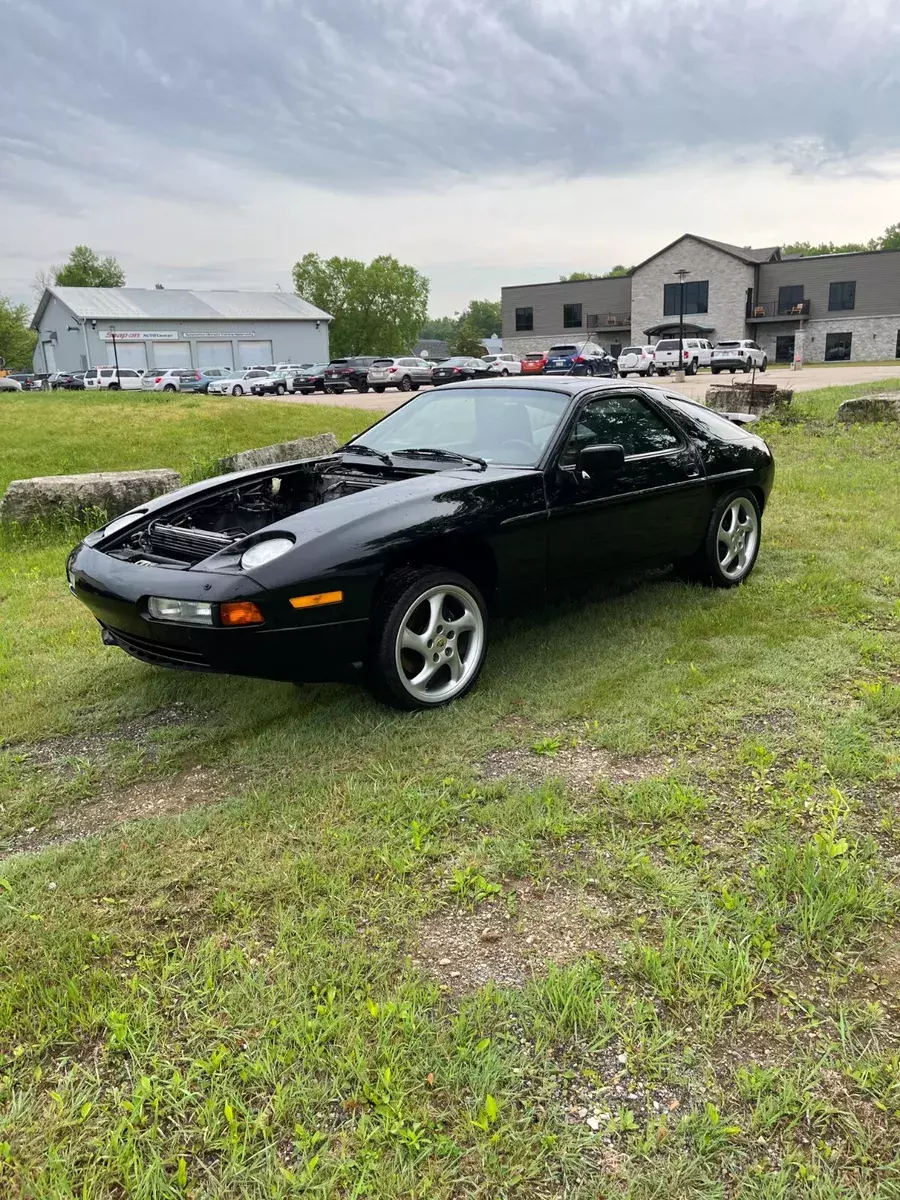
{"type": "Point", "coordinates": [805, 380]}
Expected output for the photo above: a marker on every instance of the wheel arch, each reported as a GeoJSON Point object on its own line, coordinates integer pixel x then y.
{"type": "Point", "coordinates": [469, 555]}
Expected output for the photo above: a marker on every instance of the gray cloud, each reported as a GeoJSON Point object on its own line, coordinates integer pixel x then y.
{"type": "Point", "coordinates": [379, 94]}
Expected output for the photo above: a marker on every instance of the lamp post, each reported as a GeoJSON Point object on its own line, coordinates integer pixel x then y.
{"type": "Point", "coordinates": [679, 374]}
{"type": "Point", "coordinates": [112, 330]}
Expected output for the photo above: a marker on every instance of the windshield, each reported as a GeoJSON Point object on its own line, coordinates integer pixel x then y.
{"type": "Point", "coordinates": [511, 426]}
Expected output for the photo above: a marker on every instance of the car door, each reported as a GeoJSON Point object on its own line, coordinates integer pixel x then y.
{"type": "Point", "coordinates": [656, 508]}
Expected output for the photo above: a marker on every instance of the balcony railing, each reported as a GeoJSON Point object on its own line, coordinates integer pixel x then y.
{"type": "Point", "coordinates": [621, 320]}
{"type": "Point", "coordinates": [770, 310]}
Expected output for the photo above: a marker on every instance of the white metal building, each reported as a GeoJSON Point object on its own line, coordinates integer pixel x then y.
{"type": "Point", "coordinates": [174, 327]}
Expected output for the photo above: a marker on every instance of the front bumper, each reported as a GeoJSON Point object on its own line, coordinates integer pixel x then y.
{"type": "Point", "coordinates": [291, 646]}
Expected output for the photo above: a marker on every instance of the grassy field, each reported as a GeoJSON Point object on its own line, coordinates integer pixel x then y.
{"type": "Point", "coordinates": [622, 923]}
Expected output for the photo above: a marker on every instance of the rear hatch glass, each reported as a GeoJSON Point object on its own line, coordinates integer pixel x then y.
{"type": "Point", "coordinates": [670, 345]}
{"type": "Point", "coordinates": [561, 351]}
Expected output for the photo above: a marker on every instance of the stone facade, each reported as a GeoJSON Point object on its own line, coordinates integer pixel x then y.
{"type": "Point", "coordinates": [729, 278]}
{"type": "Point", "coordinates": [873, 337]}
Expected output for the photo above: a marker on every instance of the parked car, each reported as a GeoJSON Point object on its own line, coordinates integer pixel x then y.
{"type": "Point", "coordinates": [695, 353]}
{"type": "Point", "coordinates": [237, 383]}
{"type": "Point", "coordinates": [9, 383]}
{"type": "Point", "coordinates": [344, 374]}
{"type": "Point", "coordinates": [308, 380]}
{"type": "Point", "coordinates": [533, 364]}
{"type": "Point", "coordinates": [637, 360]}
{"type": "Point", "coordinates": [25, 380]}
{"type": "Point", "coordinates": [741, 355]}
{"type": "Point", "coordinates": [165, 379]}
{"type": "Point", "coordinates": [198, 381]}
{"type": "Point", "coordinates": [452, 370]}
{"type": "Point", "coordinates": [406, 374]}
{"type": "Point", "coordinates": [273, 384]}
{"type": "Point", "coordinates": [503, 364]}
{"type": "Point", "coordinates": [71, 380]}
{"type": "Point", "coordinates": [111, 380]}
{"type": "Point", "coordinates": [434, 519]}
{"type": "Point", "coordinates": [586, 359]}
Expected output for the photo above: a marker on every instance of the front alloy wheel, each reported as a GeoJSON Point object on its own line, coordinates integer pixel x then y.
{"type": "Point", "coordinates": [237, 390]}
{"type": "Point", "coordinates": [430, 638]}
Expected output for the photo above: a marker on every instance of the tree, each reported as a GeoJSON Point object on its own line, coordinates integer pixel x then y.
{"type": "Point", "coordinates": [441, 328]}
{"type": "Point", "coordinates": [890, 239]}
{"type": "Point", "coordinates": [466, 341]}
{"type": "Point", "coordinates": [378, 307]}
{"type": "Point", "coordinates": [17, 341]}
{"type": "Point", "coordinates": [483, 316]}
{"type": "Point", "coordinates": [613, 273]}
{"type": "Point", "coordinates": [577, 276]}
{"type": "Point", "coordinates": [617, 272]}
{"type": "Point", "coordinates": [810, 248]}
{"type": "Point", "coordinates": [86, 269]}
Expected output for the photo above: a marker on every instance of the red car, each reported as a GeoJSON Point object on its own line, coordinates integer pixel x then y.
{"type": "Point", "coordinates": [533, 364]}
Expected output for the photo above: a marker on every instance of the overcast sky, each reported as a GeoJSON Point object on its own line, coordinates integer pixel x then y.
{"type": "Point", "coordinates": [211, 143]}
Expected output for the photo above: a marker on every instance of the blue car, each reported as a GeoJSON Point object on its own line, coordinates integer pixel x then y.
{"type": "Point", "coordinates": [585, 359]}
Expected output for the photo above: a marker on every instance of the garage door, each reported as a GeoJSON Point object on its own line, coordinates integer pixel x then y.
{"type": "Point", "coordinates": [131, 354]}
{"type": "Point", "coordinates": [255, 354]}
{"type": "Point", "coordinates": [172, 354]}
{"type": "Point", "coordinates": [214, 354]}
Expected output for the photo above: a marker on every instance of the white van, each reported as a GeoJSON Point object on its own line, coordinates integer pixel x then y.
{"type": "Point", "coordinates": [110, 379]}
{"type": "Point", "coordinates": [696, 353]}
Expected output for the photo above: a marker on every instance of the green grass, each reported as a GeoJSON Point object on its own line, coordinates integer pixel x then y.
{"type": "Point", "coordinates": [235, 1002]}
{"type": "Point", "coordinates": [59, 433]}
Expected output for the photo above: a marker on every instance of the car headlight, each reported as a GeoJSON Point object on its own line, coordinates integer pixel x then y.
{"type": "Point", "coordinates": [263, 552]}
{"type": "Point", "coordinates": [123, 522]}
{"type": "Point", "coordinates": [186, 612]}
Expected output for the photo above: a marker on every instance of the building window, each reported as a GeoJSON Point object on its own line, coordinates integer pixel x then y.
{"type": "Point", "coordinates": [571, 316]}
{"type": "Point", "coordinates": [524, 320]}
{"type": "Point", "coordinates": [784, 347]}
{"type": "Point", "coordinates": [696, 297]}
{"type": "Point", "coordinates": [841, 296]}
{"type": "Point", "coordinates": [897, 351]}
{"type": "Point", "coordinates": [837, 346]}
{"type": "Point", "coordinates": [789, 297]}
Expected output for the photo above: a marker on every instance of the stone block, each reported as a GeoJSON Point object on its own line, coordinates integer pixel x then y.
{"type": "Point", "coordinates": [111, 492]}
{"type": "Point", "coordinates": [317, 446]}
{"type": "Point", "coordinates": [884, 406]}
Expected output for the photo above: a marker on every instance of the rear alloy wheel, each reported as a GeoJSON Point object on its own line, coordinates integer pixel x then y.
{"type": "Point", "coordinates": [691, 367]}
{"type": "Point", "coordinates": [169, 387]}
{"type": "Point", "coordinates": [730, 549]}
{"type": "Point", "coordinates": [651, 370]}
{"type": "Point", "coordinates": [505, 373]}
{"type": "Point", "coordinates": [748, 366]}
{"type": "Point", "coordinates": [362, 388]}
{"type": "Point", "coordinates": [430, 638]}
{"type": "Point", "coordinates": [237, 390]}
{"type": "Point", "coordinates": [406, 384]}
{"type": "Point", "coordinates": [114, 387]}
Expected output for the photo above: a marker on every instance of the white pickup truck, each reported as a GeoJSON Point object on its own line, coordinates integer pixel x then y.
{"type": "Point", "coordinates": [696, 353]}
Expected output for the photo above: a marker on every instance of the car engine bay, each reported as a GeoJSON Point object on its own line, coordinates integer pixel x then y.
{"type": "Point", "coordinates": [207, 525]}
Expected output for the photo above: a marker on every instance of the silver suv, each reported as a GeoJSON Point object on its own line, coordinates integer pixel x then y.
{"type": "Point", "coordinates": [405, 374]}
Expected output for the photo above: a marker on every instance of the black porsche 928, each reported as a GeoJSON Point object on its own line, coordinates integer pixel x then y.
{"type": "Point", "coordinates": [386, 560]}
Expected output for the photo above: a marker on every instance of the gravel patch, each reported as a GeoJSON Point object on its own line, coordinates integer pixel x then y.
{"type": "Point", "coordinates": [581, 767]}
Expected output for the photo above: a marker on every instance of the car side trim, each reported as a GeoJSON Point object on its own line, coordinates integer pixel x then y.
{"type": "Point", "coordinates": [619, 497]}
{"type": "Point", "coordinates": [731, 474]}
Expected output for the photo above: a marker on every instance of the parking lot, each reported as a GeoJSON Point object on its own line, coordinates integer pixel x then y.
{"type": "Point", "coordinates": [804, 380]}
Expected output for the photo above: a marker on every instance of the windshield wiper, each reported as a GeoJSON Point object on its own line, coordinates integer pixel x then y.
{"type": "Point", "coordinates": [446, 455]}
{"type": "Point", "coordinates": [359, 448]}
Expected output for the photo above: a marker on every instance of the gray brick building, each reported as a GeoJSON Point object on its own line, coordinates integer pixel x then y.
{"type": "Point", "coordinates": [174, 327]}
{"type": "Point", "coordinates": [818, 308]}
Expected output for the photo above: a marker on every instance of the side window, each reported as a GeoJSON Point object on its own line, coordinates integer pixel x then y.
{"type": "Point", "coordinates": [625, 421]}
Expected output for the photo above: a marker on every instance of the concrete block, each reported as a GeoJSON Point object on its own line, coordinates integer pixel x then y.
{"type": "Point", "coordinates": [317, 446]}
{"type": "Point", "coordinates": [884, 406]}
{"type": "Point", "coordinates": [112, 492]}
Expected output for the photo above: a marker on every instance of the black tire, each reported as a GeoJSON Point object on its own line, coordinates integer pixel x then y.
{"type": "Point", "coordinates": [113, 387]}
{"type": "Point", "coordinates": [415, 387]}
{"type": "Point", "coordinates": [237, 390]}
{"type": "Point", "coordinates": [732, 369]}
{"type": "Point", "coordinates": [330, 391]}
{"type": "Point", "coordinates": [748, 366]}
{"type": "Point", "coordinates": [504, 373]}
{"type": "Point", "coordinates": [651, 370]}
{"type": "Point", "coordinates": [280, 389]}
{"type": "Point", "coordinates": [713, 370]}
{"type": "Point", "coordinates": [406, 384]}
{"type": "Point", "coordinates": [704, 566]}
{"type": "Point", "coordinates": [395, 604]}
{"type": "Point", "coordinates": [379, 388]}
{"type": "Point", "coordinates": [691, 367]}
{"type": "Point", "coordinates": [362, 388]}
{"type": "Point", "coordinates": [169, 387]}
{"type": "Point", "coordinates": [764, 364]}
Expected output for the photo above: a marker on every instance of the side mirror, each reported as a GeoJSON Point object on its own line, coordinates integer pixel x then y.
{"type": "Point", "coordinates": [595, 462]}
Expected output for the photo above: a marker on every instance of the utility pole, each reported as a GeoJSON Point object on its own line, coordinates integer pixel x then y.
{"type": "Point", "coordinates": [112, 330]}
{"type": "Point", "coordinates": [679, 374]}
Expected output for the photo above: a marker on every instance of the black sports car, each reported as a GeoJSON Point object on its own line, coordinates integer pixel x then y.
{"type": "Point", "coordinates": [388, 558]}
{"type": "Point", "coordinates": [454, 370]}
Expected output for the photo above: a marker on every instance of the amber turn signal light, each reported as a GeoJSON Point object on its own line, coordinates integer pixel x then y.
{"type": "Point", "coordinates": [317, 600]}
{"type": "Point", "coordinates": [240, 612]}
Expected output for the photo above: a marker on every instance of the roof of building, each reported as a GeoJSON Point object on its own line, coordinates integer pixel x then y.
{"type": "Point", "coordinates": [747, 254]}
{"type": "Point", "coordinates": [179, 304]}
